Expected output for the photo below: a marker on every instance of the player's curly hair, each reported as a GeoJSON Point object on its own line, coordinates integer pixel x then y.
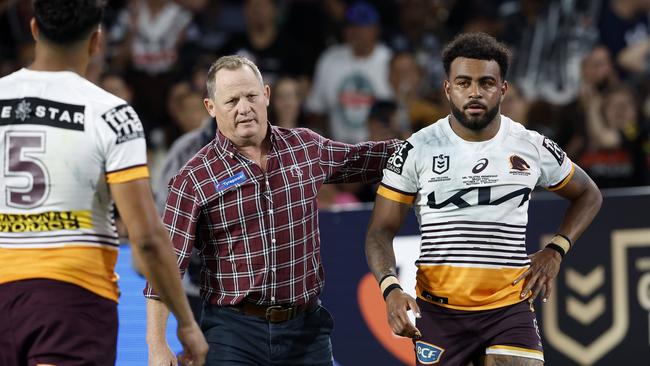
{"type": "Point", "coordinates": [480, 46]}
{"type": "Point", "coordinates": [66, 22]}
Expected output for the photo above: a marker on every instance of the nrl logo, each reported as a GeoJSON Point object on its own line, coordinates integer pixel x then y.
{"type": "Point", "coordinates": [592, 286]}
{"type": "Point", "coordinates": [440, 164]}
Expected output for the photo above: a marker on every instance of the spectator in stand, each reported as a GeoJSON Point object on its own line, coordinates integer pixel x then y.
{"type": "Point", "coordinates": [623, 25]}
{"type": "Point", "coordinates": [191, 114]}
{"type": "Point", "coordinates": [115, 84]}
{"type": "Point", "coordinates": [264, 42]}
{"type": "Point", "coordinates": [406, 81]}
{"type": "Point", "coordinates": [286, 103]}
{"type": "Point", "coordinates": [349, 77]}
{"type": "Point", "coordinates": [383, 122]}
{"type": "Point", "coordinates": [146, 37]}
{"type": "Point", "coordinates": [515, 105]}
{"type": "Point", "coordinates": [323, 18]}
{"type": "Point", "coordinates": [552, 38]}
{"type": "Point", "coordinates": [598, 74]}
{"type": "Point", "coordinates": [210, 29]}
{"type": "Point", "coordinates": [614, 156]}
{"type": "Point", "coordinates": [419, 33]}
{"type": "Point", "coordinates": [16, 42]}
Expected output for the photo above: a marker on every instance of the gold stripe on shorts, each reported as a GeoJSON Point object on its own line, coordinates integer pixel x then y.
{"type": "Point", "coordinates": [515, 351]}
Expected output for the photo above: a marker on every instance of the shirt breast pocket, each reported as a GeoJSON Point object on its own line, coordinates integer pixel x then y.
{"type": "Point", "coordinates": [234, 224]}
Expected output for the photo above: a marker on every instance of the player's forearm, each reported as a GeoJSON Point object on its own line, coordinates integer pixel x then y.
{"type": "Point", "coordinates": [159, 266]}
{"type": "Point", "coordinates": [157, 316]}
{"type": "Point", "coordinates": [379, 253]}
{"type": "Point", "coordinates": [581, 212]}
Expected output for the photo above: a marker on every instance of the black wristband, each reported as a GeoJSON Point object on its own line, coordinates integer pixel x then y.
{"type": "Point", "coordinates": [391, 288]}
{"type": "Point", "coordinates": [557, 248]}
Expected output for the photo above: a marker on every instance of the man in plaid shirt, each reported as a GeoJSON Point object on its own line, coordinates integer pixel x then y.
{"type": "Point", "coordinates": [247, 202]}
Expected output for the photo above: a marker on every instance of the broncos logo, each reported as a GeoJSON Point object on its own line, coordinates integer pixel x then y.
{"type": "Point", "coordinates": [518, 163]}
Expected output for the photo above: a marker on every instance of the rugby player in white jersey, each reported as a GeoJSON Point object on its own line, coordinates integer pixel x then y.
{"type": "Point", "coordinates": [469, 177]}
{"type": "Point", "coordinates": [68, 150]}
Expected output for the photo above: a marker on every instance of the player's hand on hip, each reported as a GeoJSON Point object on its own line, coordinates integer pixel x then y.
{"type": "Point", "coordinates": [195, 348]}
{"type": "Point", "coordinates": [161, 355]}
{"type": "Point", "coordinates": [397, 304]}
{"type": "Point", "coordinates": [539, 277]}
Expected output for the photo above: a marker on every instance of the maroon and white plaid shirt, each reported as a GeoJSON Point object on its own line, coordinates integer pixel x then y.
{"type": "Point", "coordinates": [257, 232]}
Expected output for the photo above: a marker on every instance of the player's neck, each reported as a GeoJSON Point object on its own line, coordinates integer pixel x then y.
{"type": "Point", "coordinates": [469, 134]}
{"type": "Point", "coordinates": [49, 59]}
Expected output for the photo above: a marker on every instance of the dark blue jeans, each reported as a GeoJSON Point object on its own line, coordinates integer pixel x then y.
{"type": "Point", "coordinates": [237, 339]}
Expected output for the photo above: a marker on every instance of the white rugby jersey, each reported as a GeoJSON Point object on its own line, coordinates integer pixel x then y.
{"type": "Point", "coordinates": [62, 141]}
{"type": "Point", "coordinates": [471, 200]}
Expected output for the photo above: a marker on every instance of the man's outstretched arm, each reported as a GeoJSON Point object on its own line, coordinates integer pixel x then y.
{"type": "Point", "coordinates": [386, 220]}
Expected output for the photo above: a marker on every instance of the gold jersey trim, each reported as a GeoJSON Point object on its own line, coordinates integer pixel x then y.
{"type": "Point", "coordinates": [564, 181]}
{"type": "Point", "coordinates": [395, 196]}
{"type": "Point", "coordinates": [127, 175]}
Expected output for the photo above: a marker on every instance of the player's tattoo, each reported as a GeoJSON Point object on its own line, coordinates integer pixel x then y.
{"type": "Point", "coordinates": [384, 259]}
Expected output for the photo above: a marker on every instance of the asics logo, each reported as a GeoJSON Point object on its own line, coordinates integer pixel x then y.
{"type": "Point", "coordinates": [480, 165]}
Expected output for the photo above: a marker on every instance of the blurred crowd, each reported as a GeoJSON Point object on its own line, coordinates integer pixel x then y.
{"type": "Point", "coordinates": [356, 71]}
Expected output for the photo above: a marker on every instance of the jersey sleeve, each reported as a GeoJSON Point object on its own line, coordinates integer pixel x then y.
{"type": "Point", "coordinates": [556, 167]}
{"type": "Point", "coordinates": [122, 135]}
{"type": "Point", "coordinates": [400, 176]}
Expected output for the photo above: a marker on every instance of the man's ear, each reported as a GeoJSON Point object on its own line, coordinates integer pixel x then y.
{"type": "Point", "coordinates": [209, 106]}
{"type": "Point", "coordinates": [95, 43]}
{"type": "Point", "coordinates": [267, 94]}
{"type": "Point", "coordinates": [446, 85]}
{"type": "Point", "coordinates": [34, 28]}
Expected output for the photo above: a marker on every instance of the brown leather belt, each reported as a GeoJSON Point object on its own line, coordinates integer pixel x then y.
{"type": "Point", "coordinates": [274, 313]}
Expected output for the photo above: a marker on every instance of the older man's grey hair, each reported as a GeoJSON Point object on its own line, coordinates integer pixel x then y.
{"type": "Point", "coordinates": [231, 62]}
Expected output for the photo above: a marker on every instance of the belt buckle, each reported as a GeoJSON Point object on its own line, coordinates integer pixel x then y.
{"type": "Point", "coordinates": [270, 309]}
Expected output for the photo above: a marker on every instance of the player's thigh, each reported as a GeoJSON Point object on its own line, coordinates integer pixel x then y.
{"type": "Point", "coordinates": [504, 360]}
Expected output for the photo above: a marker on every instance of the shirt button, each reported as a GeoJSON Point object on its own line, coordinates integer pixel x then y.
{"type": "Point", "coordinates": [267, 182]}
{"type": "Point", "coordinates": [272, 269]}
{"type": "Point", "coordinates": [271, 212]}
{"type": "Point", "coordinates": [273, 240]}
{"type": "Point", "coordinates": [231, 155]}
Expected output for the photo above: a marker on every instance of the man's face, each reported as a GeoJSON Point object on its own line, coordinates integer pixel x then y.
{"type": "Point", "coordinates": [362, 38]}
{"type": "Point", "coordinates": [259, 12]}
{"type": "Point", "coordinates": [475, 91]}
{"type": "Point", "coordinates": [404, 75]}
{"type": "Point", "coordinates": [597, 68]}
{"type": "Point", "coordinates": [239, 105]}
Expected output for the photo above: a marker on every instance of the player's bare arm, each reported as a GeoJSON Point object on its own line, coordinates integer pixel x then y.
{"type": "Point", "coordinates": [387, 217]}
{"type": "Point", "coordinates": [585, 200]}
{"type": "Point", "coordinates": [151, 245]}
